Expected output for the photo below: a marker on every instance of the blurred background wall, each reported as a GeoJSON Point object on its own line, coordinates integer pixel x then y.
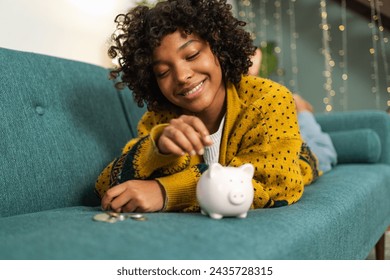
{"type": "Point", "coordinates": [80, 30]}
{"type": "Point", "coordinates": [74, 29]}
{"type": "Point", "coordinates": [332, 55]}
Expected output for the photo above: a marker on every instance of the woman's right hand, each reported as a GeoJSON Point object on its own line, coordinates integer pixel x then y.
{"type": "Point", "coordinates": [185, 134]}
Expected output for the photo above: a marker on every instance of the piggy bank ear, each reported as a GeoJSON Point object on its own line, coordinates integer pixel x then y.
{"type": "Point", "coordinates": [215, 170]}
{"type": "Point", "coordinates": [248, 169]}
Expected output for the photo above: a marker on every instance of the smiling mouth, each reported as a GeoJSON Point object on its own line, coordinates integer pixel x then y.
{"type": "Point", "coordinates": [192, 91]}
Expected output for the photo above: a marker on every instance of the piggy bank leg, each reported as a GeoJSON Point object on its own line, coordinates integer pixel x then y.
{"type": "Point", "coordinates": [216, 216]}
{"type": "Point", "coordinates": [243, 215]}
{"type": "Point", "coordinates": [203, 212]}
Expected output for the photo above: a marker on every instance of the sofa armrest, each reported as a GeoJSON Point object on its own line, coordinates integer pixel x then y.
{"type": "Point", "coordinates": [378, 121]}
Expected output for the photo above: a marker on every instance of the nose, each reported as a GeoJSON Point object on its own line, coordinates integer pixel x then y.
{"type": "Point", "coordinates": [183, 73]}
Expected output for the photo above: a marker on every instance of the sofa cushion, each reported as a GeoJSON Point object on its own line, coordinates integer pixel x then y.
{"type": "Point", "coordinates": [359, 145]}
{"type": "Point", "coordinates": [61, 123]}
{"type": "Point", "coordinates": [376, 120]}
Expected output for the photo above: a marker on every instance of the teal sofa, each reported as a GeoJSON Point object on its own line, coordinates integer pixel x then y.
{"type": "Point", "coordinates": [62, 121]}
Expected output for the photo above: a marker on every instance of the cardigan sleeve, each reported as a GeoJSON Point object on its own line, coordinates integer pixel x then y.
{"type": "Point", "coordinates": [180, 188]}
{"type": "Point", "coordinates": [141, 159]}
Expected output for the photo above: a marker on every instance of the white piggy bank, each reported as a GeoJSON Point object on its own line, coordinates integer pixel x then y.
{"type": "Point", "coordinates": [226, 191]}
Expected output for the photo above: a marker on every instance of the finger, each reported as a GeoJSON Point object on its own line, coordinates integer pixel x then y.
{"type": "Point", "coordinates": [117, 210]}
{"type": "Point", "coordinates": [192, 140]}
{"type": "Point", "coordinates": [195, 131]}
{"type": "Point", "coordinates": [183, 136]}
{"type": "Point", "coordinates": [199, 127]}
{"type": "Point", "coordinates": [167, 146]}
{"type": "Point", "coordinates": [196, 123]}
{"type": "Point", "coordinates": [130, 207]}
{"type": "Point", "coordinates": [110, 195]}
{"type": "Point", "coordinates": [120, 202]}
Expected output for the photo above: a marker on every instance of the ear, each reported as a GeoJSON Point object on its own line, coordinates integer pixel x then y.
{"type": "Point", "coordinates": [215, 169]}
{"type": "Point", "coordinates": [248, 169]}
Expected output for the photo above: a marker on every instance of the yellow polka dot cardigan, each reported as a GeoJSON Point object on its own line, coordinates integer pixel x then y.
{"type": "Point", "coordinates": [260, 128]}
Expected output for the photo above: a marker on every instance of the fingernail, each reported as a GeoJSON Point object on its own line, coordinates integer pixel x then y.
{"type": "Point", "coordinates": [192, 153]}
{"type": "Point", "coordinates": [208, 139]}
{"type": "Point", "coordinates": [201, 152]}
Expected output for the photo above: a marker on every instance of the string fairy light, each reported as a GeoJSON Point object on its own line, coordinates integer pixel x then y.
{"type": "Point", "coordinates": [328, 61]}
{"type": "Point", "coordinates": [344, 56]}
{"type": "Point", "coordinates": [262, 31]}
{"type": "Point", "coordinates": [279, 39]}
{"type": "Point", "coordinates": [383, 41]}
{"type": "Point", "coordinates": [293, 47]}
{"type": "Point", "coordinates": [374, 52]}
{"type": "Point", "coordinates": [246, 14]}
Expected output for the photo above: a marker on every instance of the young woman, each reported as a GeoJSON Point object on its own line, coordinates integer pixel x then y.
{"type": "Point", "coordinates": [187, 61]}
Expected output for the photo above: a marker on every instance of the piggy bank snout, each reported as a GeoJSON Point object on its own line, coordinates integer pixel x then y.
{"type": "Point", "coordinates": [237, 197]}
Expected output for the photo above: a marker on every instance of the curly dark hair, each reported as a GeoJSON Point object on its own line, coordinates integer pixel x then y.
{"type": "Point", "coordinates": [141, 30]}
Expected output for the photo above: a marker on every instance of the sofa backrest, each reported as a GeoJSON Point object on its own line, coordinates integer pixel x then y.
{"type": "Point", "coordinates": [61, 123]}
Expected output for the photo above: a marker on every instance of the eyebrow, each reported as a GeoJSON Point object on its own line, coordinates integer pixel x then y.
{"type": "Point", "coordinates": [189, 42]}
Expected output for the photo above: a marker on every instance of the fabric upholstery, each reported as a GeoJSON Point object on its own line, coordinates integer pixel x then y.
{"type": "Point", "coordinates": [61, 123]}
{"type": "Point", "coordinates": [359, 145]}
{"type": "Point", "coordinates": [371, 119]}
{"type": "Point", "coordinates": [334, 220]}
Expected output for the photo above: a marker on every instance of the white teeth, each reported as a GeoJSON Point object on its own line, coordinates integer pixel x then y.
{"type": "Point", "coordinates": [193, 90]}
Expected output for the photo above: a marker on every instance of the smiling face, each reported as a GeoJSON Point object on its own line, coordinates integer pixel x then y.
{"type": "Point", "coordinates": [189, 75]}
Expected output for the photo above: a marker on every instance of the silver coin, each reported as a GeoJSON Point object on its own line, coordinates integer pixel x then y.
{"type": "Point", "coordinates": [101, 217]}
{"type": "Point", "coordinates": [114, 214]}
{"type": "Point", "coordinates": [118, 216]}
{"type": "Point", "coordinates": [134, 216]}
{"type": "Point", "coordinates": [112, 217]}
{"type": "Point", "coordinates": [142, 218]}
{"type": "Point", "coordinates": [112, 220]}
{"type": "Point", "coordinates": [104, 217]}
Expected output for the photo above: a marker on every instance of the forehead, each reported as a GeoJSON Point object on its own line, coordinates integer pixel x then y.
{"type": "Point", "coordinates": [177, 41]}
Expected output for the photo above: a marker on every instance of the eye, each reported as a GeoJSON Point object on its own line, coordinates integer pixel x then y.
{"type": "Point", "coordinates": [193, 56]}
{"type": "Point", "coordinates": [161, 74]}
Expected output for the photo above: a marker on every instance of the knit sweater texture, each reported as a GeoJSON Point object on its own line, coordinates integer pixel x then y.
{"type": "Point", "coordinates": [260, 128]}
